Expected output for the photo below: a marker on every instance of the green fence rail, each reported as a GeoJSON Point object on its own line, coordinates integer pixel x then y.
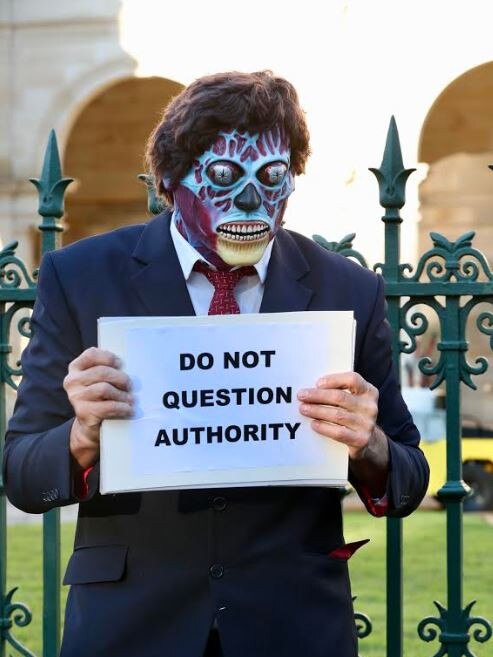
{"type": "Point", "coordinates": [451, 279]}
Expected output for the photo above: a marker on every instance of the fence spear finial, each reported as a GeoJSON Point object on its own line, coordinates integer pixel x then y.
{"type": "Point", "coordinates": [392, 176]}
{"type": "Point", "coordinates": [51, 186]}
{"type": "Point", "coordinates": [154, 203]}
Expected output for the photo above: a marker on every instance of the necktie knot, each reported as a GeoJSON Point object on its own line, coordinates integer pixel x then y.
{"type": "Point", "coordinates": [224, 282]}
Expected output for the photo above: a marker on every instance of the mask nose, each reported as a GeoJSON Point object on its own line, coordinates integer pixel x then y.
{"type": "Point", "coordinates": [248, 200]}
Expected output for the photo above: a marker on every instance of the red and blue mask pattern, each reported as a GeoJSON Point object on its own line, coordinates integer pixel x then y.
{"type": "Point", "coordinates": [232, 201]}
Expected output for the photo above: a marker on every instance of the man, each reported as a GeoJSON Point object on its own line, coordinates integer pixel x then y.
{"type": "Point", "coordinates": [251, 572]}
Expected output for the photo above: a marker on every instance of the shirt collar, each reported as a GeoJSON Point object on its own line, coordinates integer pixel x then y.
{"type": "Point", "coordinates": [188, 256]}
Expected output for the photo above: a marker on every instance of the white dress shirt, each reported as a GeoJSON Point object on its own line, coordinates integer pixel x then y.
{"type": "Point", "coordinates": [248, 292]}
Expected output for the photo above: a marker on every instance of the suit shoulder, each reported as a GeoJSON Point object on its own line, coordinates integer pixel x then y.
{"type": "Point", "coordinates": [114, 243]}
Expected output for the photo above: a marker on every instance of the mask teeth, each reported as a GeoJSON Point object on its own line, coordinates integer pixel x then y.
{"type": "Point", "coordinates": [244, 232]}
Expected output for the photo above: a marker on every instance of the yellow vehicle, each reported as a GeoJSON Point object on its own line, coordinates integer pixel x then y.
{"type": "Point", "coordinates": [477, 467]}
{"type": "Point", "coordinates": [477, 449]}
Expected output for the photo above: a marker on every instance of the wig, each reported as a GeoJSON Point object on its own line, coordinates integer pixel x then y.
{"type": "Point", "coordinates": [251, 102]}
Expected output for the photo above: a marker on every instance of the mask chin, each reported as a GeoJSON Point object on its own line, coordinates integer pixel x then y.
{"type": "Point", "coordinates": [239, 254]}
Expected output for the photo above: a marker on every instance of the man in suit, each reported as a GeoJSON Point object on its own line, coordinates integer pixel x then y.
{"type": "Point", "coordinates": [245, 571]}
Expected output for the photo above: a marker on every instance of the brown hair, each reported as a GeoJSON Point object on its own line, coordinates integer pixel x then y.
{"type": "Point", "coordinates": [252, 102]}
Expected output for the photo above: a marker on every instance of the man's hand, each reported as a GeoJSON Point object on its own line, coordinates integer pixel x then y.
{"type": "Point", "coordinates": [98, 390]}
{"type": "Point", "coordinates": [344, 407]}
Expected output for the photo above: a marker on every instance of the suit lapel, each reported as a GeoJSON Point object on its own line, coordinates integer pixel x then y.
{"type": "Point", "coordinates": [283, 290]}
{"type": "Point", "coordinates": [160, 285]}
{"type": "Point", "coordinates": [159, 280]}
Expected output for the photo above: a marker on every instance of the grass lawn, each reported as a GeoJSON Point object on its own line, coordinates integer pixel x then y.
{"type": "Point", "coordinates": [424, 575]}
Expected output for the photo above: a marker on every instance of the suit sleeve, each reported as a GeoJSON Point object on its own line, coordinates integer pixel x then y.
{"type": "Point", "coordinates": [408, 470]}
{"type": "Point", "coordinates": [37, 466]}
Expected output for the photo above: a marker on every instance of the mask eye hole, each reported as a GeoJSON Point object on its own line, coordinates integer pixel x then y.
{"type": "Point", "coordinates": [272, 174]}
{"type": "Point", "coordinates": [224, 173]}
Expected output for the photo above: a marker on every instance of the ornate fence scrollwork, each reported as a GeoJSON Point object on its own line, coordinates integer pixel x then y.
{"type": "Point", "coordinates": [484, 322]}
{"type": "Point", "coordinates": [448, 273]}
{"type": "Point", "coordinates": [363, 622]}
{"type": "Point", "coordinates": [15, 613]}
{"type": "Point", "coordinates": [445, 275]}
{"type": "Point", "coordinates": [17, 296]}
{"type": "Point", "coordinates": [431, 628]}
{"type": "Point", "coordinates": [343, 247]}
{"type": "Point", "coordinates": [451, 260]}
{"type": "Point", "coordinates": [17, 293]}
{"type": "Point", "coordinates": [13, 272]}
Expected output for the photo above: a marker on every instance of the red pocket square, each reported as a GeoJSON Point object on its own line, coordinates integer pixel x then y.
{"type": "Point", "coordinates": [345, 552]}
{"type": "Point", "coordinates": [81, 487]}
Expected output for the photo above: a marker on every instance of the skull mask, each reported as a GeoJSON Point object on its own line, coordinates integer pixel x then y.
{"type": "Point", "coordinates": [231, 202]}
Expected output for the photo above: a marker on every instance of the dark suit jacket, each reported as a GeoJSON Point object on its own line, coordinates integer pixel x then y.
{"type": "Point", "coordinates": [151, 571]}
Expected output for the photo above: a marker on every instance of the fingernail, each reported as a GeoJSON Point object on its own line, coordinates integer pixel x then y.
{"type": "Point", "coordinates": [303, 408]}
{"type": "Point", "coordinates": [302, 394]}
{"type": "Point", "coordinates": [321, 383]}
{"type": "Point", "coordinates": [118, 362]}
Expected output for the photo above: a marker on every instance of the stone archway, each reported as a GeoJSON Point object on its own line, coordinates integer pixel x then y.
{"type": "Point", "coordinates": [456, 142]}
{"type": "Point", "coordinates": [460, 119]}
{"type": "Point", "coordinates": [104, 153]}
{"type": "Point", "coordinates": [457, 195]}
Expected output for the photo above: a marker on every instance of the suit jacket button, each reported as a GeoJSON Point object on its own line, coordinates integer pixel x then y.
{"type": "Point", "coordinates": [216, 571]}
{"type": "Point", "coordinates": [219, 503]}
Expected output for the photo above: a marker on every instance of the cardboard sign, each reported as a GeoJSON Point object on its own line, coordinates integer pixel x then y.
{"type": "Point", "coordinates": [216, 400]}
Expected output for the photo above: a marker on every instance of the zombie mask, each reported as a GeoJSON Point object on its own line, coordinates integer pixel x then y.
{"type": "Point", "coordinates": [231, 202]}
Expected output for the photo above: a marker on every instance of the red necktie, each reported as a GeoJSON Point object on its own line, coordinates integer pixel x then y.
{"type": "Point", "coordinates": [224, 282]}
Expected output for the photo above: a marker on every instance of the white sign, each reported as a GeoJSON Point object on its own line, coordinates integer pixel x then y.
{"type": "Point", "coordinates": [216, 400]}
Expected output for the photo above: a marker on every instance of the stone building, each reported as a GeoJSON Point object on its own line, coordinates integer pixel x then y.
{"type": "Point", "coordinates": [63, 67]}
